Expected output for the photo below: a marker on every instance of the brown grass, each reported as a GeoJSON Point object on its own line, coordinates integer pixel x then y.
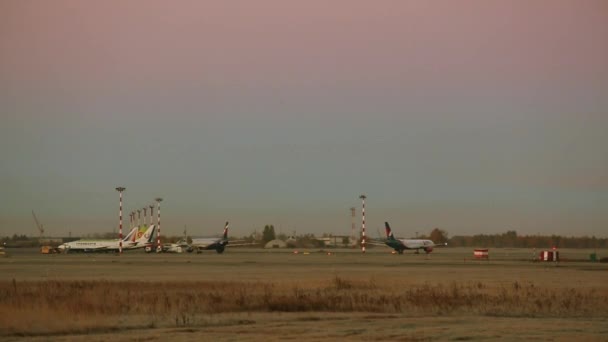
{"type": "Point", "coordinates": [58, 307]}
{"type": "Point", "coordinates": [277, 296]}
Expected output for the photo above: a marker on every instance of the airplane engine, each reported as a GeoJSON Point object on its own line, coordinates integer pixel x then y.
{"type": "Point", "coordinates": [428, 249]}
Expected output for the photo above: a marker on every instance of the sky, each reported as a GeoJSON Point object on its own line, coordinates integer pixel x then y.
{"type": "Point", "coordinates": [476, 117]}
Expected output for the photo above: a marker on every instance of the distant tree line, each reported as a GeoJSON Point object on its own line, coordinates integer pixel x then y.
{"type": "Point", "coordinates": [19, 241]}
{"type": "Point", "coordinates": [511, 239]}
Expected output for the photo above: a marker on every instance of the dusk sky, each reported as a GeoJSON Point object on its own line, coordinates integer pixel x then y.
{"type": "Point", "coordinates": [476, 117]}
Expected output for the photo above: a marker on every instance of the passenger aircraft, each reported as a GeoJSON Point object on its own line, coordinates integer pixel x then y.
{"type": "Point", "coordinates": [399, 245]}
{"type": "Point", "coordinates": [217, 244]}
{"type": "Point", "coordinates": [178, 247]}
{"type": "Point", "coordinates": [137, 238]}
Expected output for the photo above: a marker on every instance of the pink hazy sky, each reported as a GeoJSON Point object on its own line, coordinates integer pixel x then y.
{"type": "Point", "coordinates": [474, 116]}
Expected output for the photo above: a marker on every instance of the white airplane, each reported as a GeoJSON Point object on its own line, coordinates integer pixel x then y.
{"type": "Point", "coordinates": [137, 238]}
{"type": "Point", "coordinates": [400, 245]}
{"type": "Point", "coordinates": [217, 244]}
{"type": "Point", "coordinates": [178, 247]}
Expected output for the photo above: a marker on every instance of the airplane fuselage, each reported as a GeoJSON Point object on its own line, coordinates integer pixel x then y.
{"type": "Point", "coordinates": [400, 245]}
{"type": "Point", "coordinates": [95, 245]}
{"type": "Point", "coordinates": [137, 238]}
{"type": "Point", "coordinates": [217, 244]}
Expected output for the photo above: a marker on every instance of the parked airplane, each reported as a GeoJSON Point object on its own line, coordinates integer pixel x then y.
{"type": "Point", "coordinates": [89, 245]}
{"type": "Point", "coordinates": [178, 247]}
{"type": "Point", "coordinates": [137, 238]}
{"type": "Point", "coordinates": [399, 245]}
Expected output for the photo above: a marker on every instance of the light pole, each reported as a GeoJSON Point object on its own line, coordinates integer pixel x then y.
{"type": "Point", "coordinates": [120, 189]}
{"type": "Point", "coordinates": [363, 197]}
{"type": "Point", "coordinates": [138, 218]}
{"type": "Point", "coordinates": [159, 248]}
{"type": "Point", "coordinates": [352, 214]}
{"type": "Point", "coordinates": [151, 206]}
{"type": "Point", "coordinates": [146, 216]}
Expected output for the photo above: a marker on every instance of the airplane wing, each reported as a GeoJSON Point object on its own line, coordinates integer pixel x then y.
{"type": "Point", "coordinates": [375, 243]}
{"type": "Point", "coordinates": [230, 244]}
{"type": "Point", "coordinates": [100, 248]}
{"type": "Point", "coordinates": [200, 245]}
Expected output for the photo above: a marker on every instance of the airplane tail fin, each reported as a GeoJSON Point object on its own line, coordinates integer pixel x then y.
{"type": "Point", "coordinates": [134, 236]}
{"type": "Point", "coordinates": [226, 231]}
{"type": "Point", "coordinates": [389, 232]}
{"type": "Point", "coordinates": [145, 234]}
{"type": "Point", "coordinates": [130, 236]}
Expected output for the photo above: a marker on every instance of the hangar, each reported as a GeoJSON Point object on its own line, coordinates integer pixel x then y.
{"type": "Point", "coordinates": [276, 244]}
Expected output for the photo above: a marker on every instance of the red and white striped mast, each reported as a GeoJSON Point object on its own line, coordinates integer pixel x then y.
{"type": "Point", "coordinates": [120, 189]}
{"type": "Point", "coordinates": [352, 215]}
{"type": "Point", "coordinates": [363, 197]}
{"type": "Point", "coordinates": [145, 209]}
{"type": "Point", "coordinates": [151, 206]}
{"type": "Point", "coordinates": [158, 246]}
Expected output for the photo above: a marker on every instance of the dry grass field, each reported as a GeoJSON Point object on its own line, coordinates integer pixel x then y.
{"type": "Point", "coordinates": [249, 294]}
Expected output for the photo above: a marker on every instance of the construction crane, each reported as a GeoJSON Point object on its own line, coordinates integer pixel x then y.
{"type": "Point", "coordinates": [38, 225]}
{"type": "Point", "coordinates": [45, 247]}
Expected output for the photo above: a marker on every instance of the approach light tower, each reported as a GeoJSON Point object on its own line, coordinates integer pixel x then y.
{"type": "Point", "coordinates": [159, 248]}
{"type": "Point", "coordinates": [363, 197]}
{"type": "Point", "coordinates": [120, 189]}
{"type": "Point", "coordinates": [151, 206]}
{"type": "Point", "coordinates": [352, 223]}
{"type": "Point", "coordinates": [145, 209]}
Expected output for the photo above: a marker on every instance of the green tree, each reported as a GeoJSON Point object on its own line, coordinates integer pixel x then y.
{"type": "Point", "coordinates": [438, 236]}
{"type": "Point", "coordinates": [268, 233]}
{"type": "Point", "coordinates": [509, 239]}
{"type": "Point", "coordinates": [345, 241]}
